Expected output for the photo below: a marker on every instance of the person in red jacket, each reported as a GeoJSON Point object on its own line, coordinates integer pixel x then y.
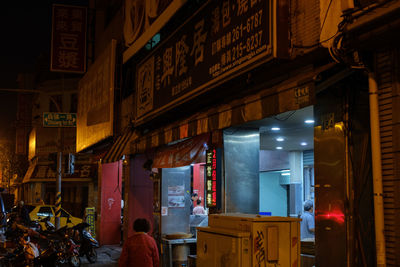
{"type": "Point", "coordinates": [140, 249]}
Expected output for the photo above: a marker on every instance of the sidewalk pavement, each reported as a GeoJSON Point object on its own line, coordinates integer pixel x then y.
{"type": "Point", "coordinates": [107, 256]}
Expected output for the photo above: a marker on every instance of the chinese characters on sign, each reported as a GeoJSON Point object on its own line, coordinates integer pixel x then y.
{"type": "Point", "coordinates": [52, 119]}
{"type": "Point", "coordinates": [302, 94]}
{"type": "Point", "coordinates": [222, 38]}
{"type": "Point", "coordinates": [211, 178]}
{"type": "Point", "coordinates": [82, 171]}
{"type": "Point", "coordinates": [90, 219]}
{"type": "Point", "coordinates": [68, 44]}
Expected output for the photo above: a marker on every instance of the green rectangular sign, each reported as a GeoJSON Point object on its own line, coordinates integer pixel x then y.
{"type": "Point", "coordinates": [52, 119]}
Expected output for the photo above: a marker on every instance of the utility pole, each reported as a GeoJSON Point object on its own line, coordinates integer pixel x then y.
{"type": "Point", "coordinates": [59, 153]}
{"type": "Point", "coordinates": [58, 188]}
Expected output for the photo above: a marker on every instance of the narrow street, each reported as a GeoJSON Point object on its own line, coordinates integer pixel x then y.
{"type": "Point", "coordinates": [107, 256]}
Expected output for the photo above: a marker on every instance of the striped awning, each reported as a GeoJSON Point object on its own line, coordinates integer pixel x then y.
{"type": "Point", "coordinates": [292, 94]}
{"type": "Point", "coordinates": [120, 146]}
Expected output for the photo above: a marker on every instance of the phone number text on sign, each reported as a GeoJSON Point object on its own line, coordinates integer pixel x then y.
{"type": "Point", "coordinates": [218, 41]}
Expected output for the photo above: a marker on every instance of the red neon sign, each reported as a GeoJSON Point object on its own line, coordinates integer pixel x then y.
{"type": "Point", "coordinates": [211, 177]}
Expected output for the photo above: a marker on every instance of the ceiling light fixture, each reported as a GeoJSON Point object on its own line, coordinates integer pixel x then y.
{"type": "Point", "coordinates": [309, 121]}
{"type": "Point", "coordinates": [303, 143]}
{"type": "Point", "coordinates": [280, 139]}
{"type": "Point", "coordinates": [275, 128]}
{"type": "Point", "coordinates": [279, 147]}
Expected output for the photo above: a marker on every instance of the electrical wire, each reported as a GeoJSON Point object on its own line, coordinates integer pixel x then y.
{"type": "Point", "coordinates": [317, 44]}
{"type": "Point", "coordinates": [322, 27]}
{"type": "Point", "coordinates": [290, 114]}
{"type": "Point", "coordinates": [326, 15]}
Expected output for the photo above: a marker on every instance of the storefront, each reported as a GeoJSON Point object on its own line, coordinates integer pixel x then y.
{"type": "Point", "coordinates": [40, 186]}
{"type": "Point", "coordinates": [172, 178]}
{"type": "Point", "coordinates": [294, 147]}
{"type": "Point", "coordinates": [273, 159]}
{"type": "Point", "coordinates": [284, 131]}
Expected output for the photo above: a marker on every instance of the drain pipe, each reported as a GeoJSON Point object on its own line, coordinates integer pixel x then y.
{"type": "Point", "coordinates": [377, 171]}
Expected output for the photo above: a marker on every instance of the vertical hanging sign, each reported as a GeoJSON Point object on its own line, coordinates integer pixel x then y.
{"type": "Point", "coordinates": [68, 39]}
{"type": "Point", "coordinates": [211, 178]}
{"type": "Point", "coordinates": [90, 219]}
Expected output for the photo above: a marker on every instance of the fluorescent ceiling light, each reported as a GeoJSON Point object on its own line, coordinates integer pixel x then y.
{"type": "Point", "coordinates": [309, 121]}
{"type": "Point", "coordinates": [280, 139]}
{"type": "Point", "coordinates": [303, 143]}
{"type": "Point", "coordinates": [279, 147]}
{"type": "Point", "coordinates": [275, 128]}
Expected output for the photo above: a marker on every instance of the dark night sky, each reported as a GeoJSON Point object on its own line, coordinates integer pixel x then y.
{"type": "Point", "coordinates": [25, 34]}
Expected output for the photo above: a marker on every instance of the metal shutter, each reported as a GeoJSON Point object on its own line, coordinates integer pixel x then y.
{"type": "Point", "coordinates": [387, 78]}
{"type": "Point", "coordinates": [308, 157]}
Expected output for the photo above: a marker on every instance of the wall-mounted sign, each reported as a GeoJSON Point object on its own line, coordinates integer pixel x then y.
{"type": "Point", "coordinates": [52, 119]}
{"type": "Point", "coordinates": [43, 173]}
{"type": "Point", "coordinates": [216, 43]}
{"type": "Point", "coordinates": [302, 94]}
{"type": "Point", "coordinates": [144, 19]}
{"type": "Point", "coordinates": [328, 121]}
{"type": "Point", "coordinates": [96, 100]}
{"type": "Point", "coordinates": [91, 220]}
{"type": "Point", "coordinates": [211, 178]}
{"type": "Point", "coordinates": [68, 39]}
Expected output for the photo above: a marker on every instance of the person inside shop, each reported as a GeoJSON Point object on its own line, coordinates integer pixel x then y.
{"type": "Point", "coordinates": [140, 249]}
{"type": "Point", "coordinates": [195, 197]}
{"type": "Point", "coordinates": [199, 209]}
{"type": "Point", "coordinates": [307, 225]}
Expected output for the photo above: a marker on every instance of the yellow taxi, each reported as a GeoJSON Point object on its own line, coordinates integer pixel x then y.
{"type": "Point", "coordinates": [38, 212]}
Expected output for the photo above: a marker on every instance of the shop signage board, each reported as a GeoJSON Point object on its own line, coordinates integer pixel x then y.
{"type": "Point", "coordinates": [52, 119]}
{"type": "Point", "coordinates": [211, 178]}
{"type": "Point", "coordinates": [43, 173]}
{"type": "Point", "coordinates": [68, 39]}
{"type": "Point", "coordinates": [144, 19]}
{"type": "Point", "coordinates": [219, 41]}
{"type": "Point", "coordinates": [96, 100]}
{"type": "Point", "coordinates": [90, 219]}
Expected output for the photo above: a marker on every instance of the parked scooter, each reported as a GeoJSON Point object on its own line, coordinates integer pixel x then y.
{"type": "Point", "coordinates": [24, 252]}
{"type": "Point", "coordinates": [87, 243]}
{"type": "Point", "coordinates": [45, 225]}
{"type": "Point", "coordinates": [62, 249]}
{"type": "Point", "coordinates": [44, 248]}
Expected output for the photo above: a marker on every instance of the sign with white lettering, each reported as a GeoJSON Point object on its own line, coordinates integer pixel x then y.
{"type": "Point", "coordinates": [218, 41]}
{"type": "Point", "coordinates": [68, 40]}
{"type": "Point", "coordinates": [52, 119]}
